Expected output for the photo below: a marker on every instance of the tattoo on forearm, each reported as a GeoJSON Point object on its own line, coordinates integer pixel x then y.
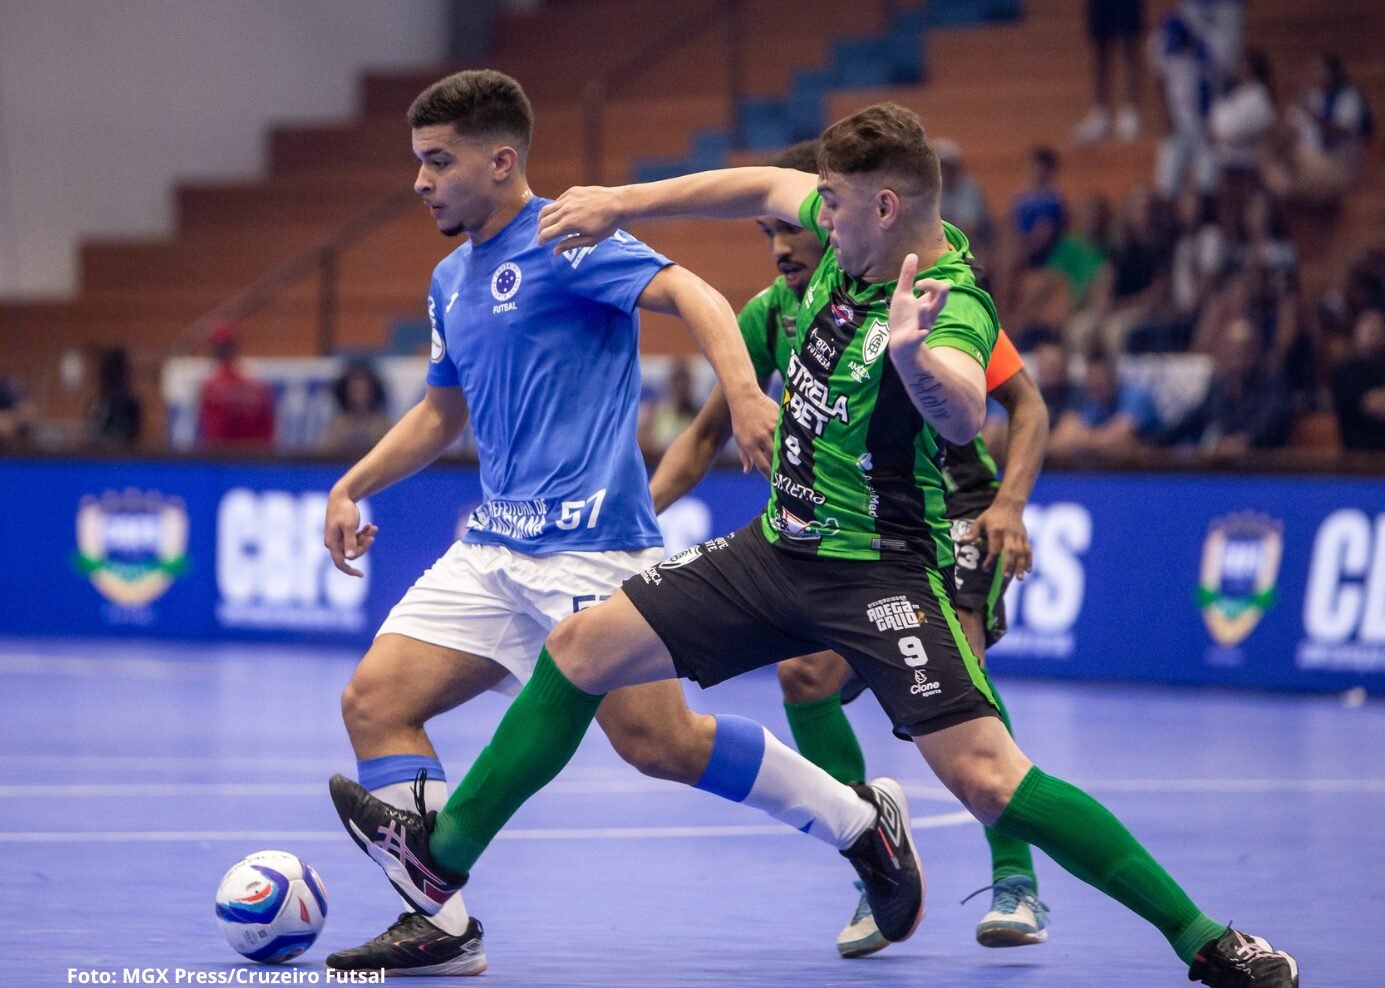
{"type": "Point", "coordinates": [926, 390]}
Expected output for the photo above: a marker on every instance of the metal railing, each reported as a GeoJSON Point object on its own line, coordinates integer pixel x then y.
{"type": "Point", "coordinates": [323, 260]}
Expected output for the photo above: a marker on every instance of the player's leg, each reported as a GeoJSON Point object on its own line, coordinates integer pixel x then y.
{"type": "Point", "coordinates": [812, 688]}
{"type": "Point", "coordinates": [1016, 916]}
{"type": "Point", "coordinates": [652, 728]}
{"type": "Point", "coordinates": [811, 685]}
{"type": "Point", "coordinates": [978, 760]}
{"type": "Point", "coordinates": [424, 662]}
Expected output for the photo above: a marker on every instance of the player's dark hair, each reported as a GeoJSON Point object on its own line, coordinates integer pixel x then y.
{"type": "Point", "coordinates": [885, 138]}
{"type": "Point", "coordinates": [477, 103]}
{"type": "Point", "coordinates": [801, 157]}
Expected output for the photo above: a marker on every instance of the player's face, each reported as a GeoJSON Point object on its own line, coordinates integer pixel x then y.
{"type": "Point", "coordinates": [796, 252]}
{"type": "Point", "coordinates": [852, 219]}
{"type": "Point", "coordinates": [455, 178]}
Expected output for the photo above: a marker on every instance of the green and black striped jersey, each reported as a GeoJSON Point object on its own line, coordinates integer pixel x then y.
{"type": "Point", "coordinates": [856, 468]}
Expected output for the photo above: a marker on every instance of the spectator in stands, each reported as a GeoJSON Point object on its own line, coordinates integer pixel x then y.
{"type": "Point", "coordinates": [1201, 253]}
{"type": "Point", "coordinates": [1239, 123]}
{"type": "Point", "coordinates": [1270, 263]}
{"type": "Point", "coordinates": [1108, 419]}
{"type": "Point", "coordinates": [1362, 287]}
{"type": "Point", "coordinates": [1246, 406]}
{"type": "Point", "coordinates": [1038, 218]}
{"type": "Point", "coordinates": [1220, 26]}
{"type": "Point", "coordinates": [1358, 386]}
{"type": "Point", "coordinates": [1187, 84]}
{"type": "Point", "coordinates": [664, 418]}
{"type": "Point", "coordinates": [962, 203]}
{"type": "Point", "coordinates": [361, 419]}
{"type": "Point", "coordinates": [16, 415]}
{"type": "Point", "coordinates": [1050, 362]}
{"type": "Point", "coordinates": [1328, 126]}
{"type": "Point", "coordinates": [115, 417]}
{"type": "Point", "coordinates": [1112, 23]}
{"type": "Point", "coordinates": [1138, 290]}
{"type": "Point", "coordinates": [1076, 272]}
{"type": "Point", "coordinates": [235, 411]}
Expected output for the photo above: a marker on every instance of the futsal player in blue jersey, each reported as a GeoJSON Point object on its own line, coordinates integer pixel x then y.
{"type": "Point", "coordinates": [541, 352]}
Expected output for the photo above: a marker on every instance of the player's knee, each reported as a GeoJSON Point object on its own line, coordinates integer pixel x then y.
{"type": "Point", "coordinates": [986, 789]}
{"type": "Point", "coordinates": [366, 709]}
{"type": "Point", "coordinates": [574, 651]}
{"type": "Point", "coordinates": [804, 679]}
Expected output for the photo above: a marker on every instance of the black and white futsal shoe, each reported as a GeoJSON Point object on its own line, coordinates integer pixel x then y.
{"type": "Point", "coordinates": [414, 946]}
{"type": "Point", "coordinates": [885, 858]}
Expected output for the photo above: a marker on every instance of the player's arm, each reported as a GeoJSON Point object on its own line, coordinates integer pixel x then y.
{"type": "Point", "coordinates": [1002, 524]}
{"type": "Point", "coordinates": [415, 441]}
{"type": "Point", "coordinates": [690, 456]}
{"type": "Point", "coordinates": [586, 215]}
{"type": "Point", "coordinates": [676, 291]}
{"type": "Point", "coordinates": [946, 385]}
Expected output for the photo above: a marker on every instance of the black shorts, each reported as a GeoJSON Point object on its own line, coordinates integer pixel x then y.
{"type": "Point", "coordinates": [1115, 19]}
{"type": "Point", "coordinates": [980, 588]}
{"type": "Point", "coordinates": [737, 603]}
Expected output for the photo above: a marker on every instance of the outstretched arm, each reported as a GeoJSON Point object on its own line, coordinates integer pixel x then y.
{"type": "Point", "coordinates": [678, 292]}
{"type": "Point", "coordinates": [690, 456]}
{"type": "Point", "coordinates": [586, 215]}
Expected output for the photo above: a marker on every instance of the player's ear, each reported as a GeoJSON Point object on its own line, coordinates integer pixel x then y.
{"type": "Point", "coordinates": [504, 162]}
{"type": "Point", "coordinates": [887, 206]}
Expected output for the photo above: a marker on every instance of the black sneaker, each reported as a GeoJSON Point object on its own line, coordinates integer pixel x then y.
{"type": "Point", "coordinates": [885, 859]}
{"type": "Point", "coordinates": [415, 946]}
{"type": "Point", "coordinates": [397, 841]}
{"type": "Point", "coordinates": [1239, 960]}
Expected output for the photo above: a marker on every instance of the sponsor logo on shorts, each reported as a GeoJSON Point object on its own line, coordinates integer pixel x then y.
{"type": "Point", "coordinates": [923, 686]}
{"type": "Point", "coordinates": [1240, 567]}
{"type": "Point", "coordinates": [895, 613]}
{"type": "Point", "coordinates": [789, 525]}
{"type": "Point", "coordinates": [688, 555]}
{"type": "Point", "coordinates": [583, 601]}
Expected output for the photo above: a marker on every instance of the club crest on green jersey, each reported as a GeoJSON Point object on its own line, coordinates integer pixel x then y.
{"type": "Point", "coordinates": [876, 340]}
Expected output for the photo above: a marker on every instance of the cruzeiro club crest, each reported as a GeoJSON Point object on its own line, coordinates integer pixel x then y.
{"type": "Point", "coordinates": [132, 546]}
{"type": "Point", "coordinates": [1240, 566]}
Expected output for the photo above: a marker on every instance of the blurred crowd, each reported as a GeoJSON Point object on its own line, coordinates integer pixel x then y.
{"type": "Point", "coordinates": [1178, 317]}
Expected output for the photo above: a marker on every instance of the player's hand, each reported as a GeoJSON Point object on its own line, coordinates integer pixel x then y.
{"type": "Point", "coordinates": [343, 534]}
{"type": "Point", "coordinates": [1001, 526]}
{"type": "Point", "coordinates": [582, 216]}
{"type": "Point", "coordinates": [914, 307]}
{"type": "Point", "coordinates": [753, 422]}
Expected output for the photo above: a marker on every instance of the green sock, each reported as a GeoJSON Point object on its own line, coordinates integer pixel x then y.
{"type": "Point", "coordinates": [824, 737]}
{"type": "Point", "coordinates": [1009, 857]}
{"type": "Point", "coordinates": [537, 736]}
{"type": "Point", "coordinates": [1082, 836]}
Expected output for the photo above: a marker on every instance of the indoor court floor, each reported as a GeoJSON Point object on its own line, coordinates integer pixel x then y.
{"type": "Point", "coordinates": [133, 775]}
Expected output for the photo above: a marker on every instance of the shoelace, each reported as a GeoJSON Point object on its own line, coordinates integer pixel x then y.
{"type": "Point", "coordinates": [420, 780]}
{"type": "Point", "coordinates": [862, 907]}
{"type": "Point", "coordinates": [1008, 897]}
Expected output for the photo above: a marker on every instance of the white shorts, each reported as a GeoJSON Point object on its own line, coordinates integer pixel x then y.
{"type": "Point", "coordinates": [500, 604]}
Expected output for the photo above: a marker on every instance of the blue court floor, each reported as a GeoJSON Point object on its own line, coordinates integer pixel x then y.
{"type": "Point", "coordinates": [132, 776]}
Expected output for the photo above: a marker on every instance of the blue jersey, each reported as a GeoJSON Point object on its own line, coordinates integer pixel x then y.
{"type": "Point", "coordinates": [546, 349]}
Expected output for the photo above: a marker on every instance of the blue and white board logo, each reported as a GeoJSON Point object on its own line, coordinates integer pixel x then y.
{"type": "Point", "coordinates": [1240, 570]}
{"type": "Point", "coordinates": [132, 545]}
{"type": "Point", "coordinates": [505, 281]}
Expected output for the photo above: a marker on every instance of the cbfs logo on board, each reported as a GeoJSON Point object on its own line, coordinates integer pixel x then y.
{"type": "Point", "coordinates": [132, 545]}
{"type": "Point", "coordinates": [1043, 609]}
{"type": "Point", "coordinates": [1239, 574]}
{"type": "Point", "coordinates": [1344, 604]}
{"type": "Point", "coordinates": [272, 571]}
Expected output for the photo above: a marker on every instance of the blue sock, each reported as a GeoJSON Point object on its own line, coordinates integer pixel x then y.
{"type": "Point", "coordinates": [749, 765]}
{"type": "Point", "coordinates": [391, 778]}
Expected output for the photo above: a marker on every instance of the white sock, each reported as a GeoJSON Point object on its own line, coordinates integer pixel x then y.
{"type": "Point", "coordinates": [452, 918]}
{"type": "Point", "coordinates": [750, 765]}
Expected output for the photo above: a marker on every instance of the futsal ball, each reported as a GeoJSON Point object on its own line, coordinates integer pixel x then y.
{"type": "Point", "coordinates": [271, 906]}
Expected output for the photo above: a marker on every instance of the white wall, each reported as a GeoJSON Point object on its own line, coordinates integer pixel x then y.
{"type": "Point", "coordinates": [104, 104]}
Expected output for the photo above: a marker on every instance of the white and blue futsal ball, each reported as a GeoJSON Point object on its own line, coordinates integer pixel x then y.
{"type": "Point", "coordinates": [271, 906]}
